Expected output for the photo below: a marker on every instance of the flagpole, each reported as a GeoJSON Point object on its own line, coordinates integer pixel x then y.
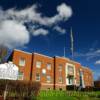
{"type": "Point", "coordinates": [72, 43]}
{"type": "Point", "coordinates": [72, 49]}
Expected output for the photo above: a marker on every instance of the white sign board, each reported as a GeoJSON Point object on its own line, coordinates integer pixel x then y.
{"type": "Point", "coordinates": [8, 71]}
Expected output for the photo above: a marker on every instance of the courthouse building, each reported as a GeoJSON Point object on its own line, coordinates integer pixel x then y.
{"type": "Point", "coordinates": [52, 72]}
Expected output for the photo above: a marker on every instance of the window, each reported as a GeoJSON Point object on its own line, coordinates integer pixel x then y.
{"type": "Point", "coordinates": [22, 62]}
{"type": "Point", "coordinates": [70, 70]}
{"type": "Point", "coordinates": [43, 72]}
{"type": "Point", "coordinates": [60, 79]}
{"type": "Point", "coordinates": [78, 72]}
{"type": "Point", "coordinates": [48, 78]}
{"type": "Point", "coordinates": [37, 77]}
{"type": "Point", "coordinates": [20, 76]}
{"type": "Point", "coordinates": [38, 64]}
{"type": "Point", "coordinates": [49, 66]}
{"type": "Point", "coordinates": [70, 80]}
{"type": "Point", "coordinates": [60, 67]}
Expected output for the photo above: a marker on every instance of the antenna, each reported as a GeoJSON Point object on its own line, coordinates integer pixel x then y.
{"type": "Point", "coordinates": [64, 52]}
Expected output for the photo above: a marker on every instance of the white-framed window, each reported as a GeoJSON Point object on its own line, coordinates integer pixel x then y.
{"type": "Point", "coordinates": [71, 70]}
{"type": "Point", "coordinates": [20, 76]}
{"type": "Point", "coordinates": [21, 62]}
{"type": "Point", "coordinates": [43, 71]}
{"type": "Point", "coordinates": [48, 78]}
{"type": "Point", "coordinates": [37, 77]}
{"type": "Point", "coordinates": [49, 66]}
{"type": "Point", "coordinates": [60, 79]}
{"type": "Point", "coordinates": [60, 67]}
{"type": "Point", "coordinates": [38, 64]}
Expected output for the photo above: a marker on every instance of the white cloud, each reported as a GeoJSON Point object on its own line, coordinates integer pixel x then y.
{"type": "Point", "coordinates": [97, 62]}
{"type": "Point", "coordinates": [40, 32]}
{"type": "Point", "coordinates": [89, 55]}
{"type": "Point", "coordinates": [64, 11]}
{"type": "Point", "coordinates": [31, 14]}
{"type": "Point", "coordinates": [13, 34]}
{"type": "Point", "coordinates": [13, 31]}
{"type": "Point", "coordinates": [59, 29]}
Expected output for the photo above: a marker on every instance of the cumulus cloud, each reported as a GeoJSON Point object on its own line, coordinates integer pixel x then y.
{"type": "Point", "coordinates": [13, 34]}
{"type": "Point", "coordinates": [97, 62]}
{"type": "Point", "coordinates": [31, 14]}
{"type": "Point", "coordinates": [59, 29]}
{"type": "Point", "coordinates": [13, 31]}
{"type": "Point", "coordinates": [40, 32]}
{"type": "Point", "coordinates": [64, 11]}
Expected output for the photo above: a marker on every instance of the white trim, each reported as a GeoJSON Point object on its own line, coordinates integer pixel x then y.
{"type": "Point", "coordinates": [72, 61]}
{"type": "Point", "coordinates": [62, 58]}
{"type": "Point", "coordinates": [22, 51]}
{"type": "Point", "coordinates": [42, 55]}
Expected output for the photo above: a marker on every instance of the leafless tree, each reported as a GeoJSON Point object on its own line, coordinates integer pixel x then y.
{"type": "Point", "coordinates": [3, 53]}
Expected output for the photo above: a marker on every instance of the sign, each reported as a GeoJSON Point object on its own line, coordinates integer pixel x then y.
{"type": "Point", "coordinates": [8, 71]}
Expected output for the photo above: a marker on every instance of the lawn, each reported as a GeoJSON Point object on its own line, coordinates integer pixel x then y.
{"type": "Point", "coordinates": [68, 95]}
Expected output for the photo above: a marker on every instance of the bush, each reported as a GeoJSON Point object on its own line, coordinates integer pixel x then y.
{"type": "Point", "coordinates": [20, 89]}
{"type": "Point", "coordinates": [72, 87]}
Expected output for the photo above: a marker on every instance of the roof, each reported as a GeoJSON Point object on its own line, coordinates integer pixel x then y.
{"type": "Point", "coordinates": [22, 51]}
{"type": "Point", "coordinates": [42, 55]}
{"type": "Point", "coordinates": [62, 57]}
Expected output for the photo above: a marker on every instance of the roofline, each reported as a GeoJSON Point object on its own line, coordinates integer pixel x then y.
{"type": "Point", "coordinates": [46, 55]}
{"type": "Point", "coordinates": [22, 51]}
{"type": "Point", "coordinates": [62, 57]}
{"type": "Point", "coordinates": [32, 53]}
{"type": "Point", "coordinates": [75, 62]}
{"type": "Point", "coordinates": [41, 55]}
{"type": "Point", "coordinates": [53, 57]}
{"type": "Point", "coordinates": [87, 68]}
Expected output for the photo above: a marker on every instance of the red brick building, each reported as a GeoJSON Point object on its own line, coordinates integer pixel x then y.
{"type": "Point", "coordinates": [53, 72]}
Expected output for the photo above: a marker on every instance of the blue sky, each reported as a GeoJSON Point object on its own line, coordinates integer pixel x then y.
{"type": "Point", "coordinates": [44, 26]}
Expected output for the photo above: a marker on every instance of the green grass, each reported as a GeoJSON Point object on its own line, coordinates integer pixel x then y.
{"type": "Point", "coordinates": [68, 95]}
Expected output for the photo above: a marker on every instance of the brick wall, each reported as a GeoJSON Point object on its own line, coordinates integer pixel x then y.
{"type": "Point", "coordinates": [26, 70]}
{"type": "Point", "coordinates": [88, 77]}
{"type": "Point", "coordinates": [43, 76]}
{"type": "Point", "coordinates": [57, 72]}
{"type": "Point", "coordinates": [60, 64]}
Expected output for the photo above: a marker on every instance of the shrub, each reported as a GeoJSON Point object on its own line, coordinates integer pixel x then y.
{"type": "Point", "coordinates": [20, 89]}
